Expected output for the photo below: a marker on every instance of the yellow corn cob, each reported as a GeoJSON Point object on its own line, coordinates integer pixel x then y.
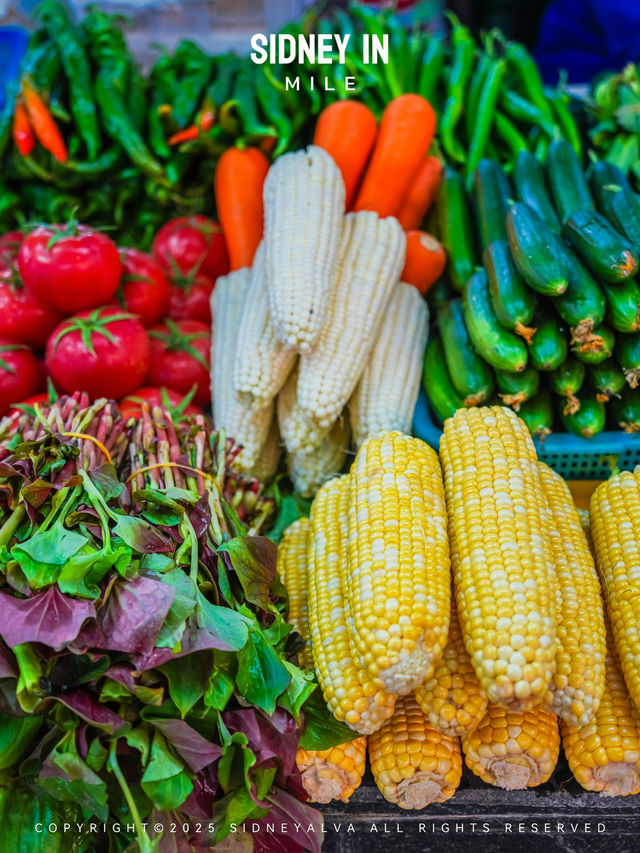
{"type": "Point", "coordinates": [576, 687]}
{"type": "Point", "coordinates": [303, 208]}
{"type": "Point", "coordinates": [246, 423]}
{"type": "Point", "coordinates": [397, 580]}
{"type": "Point", "coordinates": [513, 749]}
{"type": "Point", "coordinates": [604, 755]}
{"type": "Point", "coordinates": [333, 774]}
{"type": "Point", "coordinates": [452, 697]}
{"type": "Point", "coordinates": [309, 469]}
{"type": "Point", "coordinates": [262, 362]}
{"type": "Point", "coordinates": [500, 553]}
{"type": "Point", "coordinates": [386, 394]}
{"type": "Point", "coordinates": [292, 568]}
{"type": "Point", "coordinates": [299, 433]}
{"type": "Point", "coordinates": [369, 266]}
{"type": "Point", "coordinates": [615, 529]}
{"type": "Point", "coordinates": [266, 464]}
{"type": "Point", "coordinates": [346, 686]}
{"type": "Point", "coordinates": [412, 763]}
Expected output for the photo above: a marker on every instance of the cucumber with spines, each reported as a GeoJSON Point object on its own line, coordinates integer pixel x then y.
{"type": "Point", "coordinates": [456, 232]}
{"type": "Point", "coordinates": [627, 352]}
{"type": "Point", "coordinates": [567, 379]}
{"type": "Point", "coordinates": [538, 253]}
{"type": "Point", "coordinates": [606, 181]}
{"type": "Point", "coordinates": [606, 379]}
{"type": "Point", "coordinates": [443, 397]}
{"type": "Point", "coordinates": [492, 193]}
{"type": "Point", "coordinates": [608, 254]}
{"type": "Point", "coordinates": [583, 306]}
{"type": "Point", "coordinates": [588, 420]}
{"type": "Point", "coordinates": [625, 411]}
{"type": "Point", "coordinates": [471, 375]}
{"type": "Point", "coordinates": [537, 413]}
{"type": "Point", "coordinates": [513, 302]}
{"type": "Point", "coordinates": [569, 188]}
{"type": "Point", "coordinates": [623, 306]}
{"type": "Point", "coordinates": [532, 190]}
{"type": "Point", "coordinates": [516, 388]}
{"type": "Point", "coordinates": [549, 346]}
{"type": "Point", "coordinates": [598, 348]}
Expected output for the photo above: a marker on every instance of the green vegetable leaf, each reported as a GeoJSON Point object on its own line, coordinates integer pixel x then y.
{"type": "Point", "coordinates": [220, 690]}
{"type": "Point", "coordinates": [262, 676]}
{"type": "Point", "coordinates": [301, 687]}
{"type": "Point", "coordinates": [140, 535]}
{"type": "Point", "coordinates": [66, 777]}
{"type": "Point", "coordinates": [253, 558]}
{"type": "Point", "coordinates": [41, 556]}
{"type": "Point", "coordinates": [227, 625]}
{"type": "Point", "coordinates": [165, 780]}
{"type": "Point", "coordinates": [321, 729]}
{"type": "Point", "coordinates": [235, 762]}
{"type": "Point", "coordinates": [139, 739]}
{"type": "Point", "coordinates": [188, 679]}
{"type": "Point", "coordinates": [234, 808]}
{"type": "Point", "coordinates": [183, 606]}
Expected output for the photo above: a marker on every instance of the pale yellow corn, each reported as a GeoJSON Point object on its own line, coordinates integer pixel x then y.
{"type": "Point", "coordinates": [576, 688]}
{"type": "Point", "coordinates": [292, 568]}
{"type": "Point", "coordinates": [370, 261]}
{"type": "Point", "coordinates": [500, 553]}
{"type": "Point", "coordinates": [412, 763]}
{"type": "Point", "coordinates": [386, 394]}
{"type": "Point", "coordinates": [303, 208]}
{"type": "Point", "coordinates": [299, 433]}
{"type": "Point", "coordinates": [615, 529]}
{"type": "Point", "coordinates": [452, 698]}
{"type": "Point", "coordinates": [262, 362]}
{"type": "Point", "coordinates": [247, 424]}
{"type": "Point", "coordinates": [266, 464]}
{"type": "Point", "coordinates": [333, 774]}
{"type": "Point", "coordinates": [348, 690]}
{"type": "Point", "coordinates": [397, 579]}
{"type": "Point", "coordinates": [513, 749]}
{"type": "Point", "coordinates": [604, 754]}
{"type": "Point", "coordinates": [309, 469]}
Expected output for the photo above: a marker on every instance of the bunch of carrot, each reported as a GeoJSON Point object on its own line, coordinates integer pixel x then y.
{"type": "Point", "coordinates": [32, 121]}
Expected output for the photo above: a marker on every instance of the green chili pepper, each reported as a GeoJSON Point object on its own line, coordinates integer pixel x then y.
{"type": "Point", "coordinates": [313, 94]}
{"type": "Point", "coordinates": [270, 104]}
{"type": "Point", "coordinates": [432, 64]}
{"type": "Point", "coordinates": [521, 109]}
{"type": "Point", "coordinates": [77, 70]}
{"type": "Point", "coordinates": [485, 114]}
{"type": "Point", "coordinates": [224, 71]}
{"type": "Point", "coordinates": [157, 138]}
{"type": "Point", "coordinates": [476, 85]}
{"type": "Point", "coordinates": [526, 72]}
{"type": "Point", "coordinates": [509, 134]}
{"type": "Point", "coordinates": [463, 51]}
{"type": "Point", "coordinates": [105, 162]}
{"type": "Point", "coordinates": [417, 44]}
{"type": "Point", "coordinates": [239, 115]}
{"type": "Point", "coordinates": [565, 119]}
{"type": "Point", "coordinates": [137, 100]}
{"type": "Point", "coordinates": [195, 66]}
{"type": "Point", "coordinates": [377, 24]}
{"type": "Point", "coordinates": [46, 68]}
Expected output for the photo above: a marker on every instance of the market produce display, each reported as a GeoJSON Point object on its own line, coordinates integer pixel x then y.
{"type": "Point", "coordinates": [613, 102]}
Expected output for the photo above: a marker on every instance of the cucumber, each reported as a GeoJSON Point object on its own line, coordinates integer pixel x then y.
{"type": "Point", "coordinates": [569, 188]}
{"type": "Point", "coordinates": [497, 345]}
{"type": "Point", "coordinates": [443, 397]}
{"type": "Point", "coordinates": [628, 357]}
{"type": "Point", "coordinates": [567, 380]}
{"type": "Point", "coordinates": [609, 255]}
{"type": "Point", "coordinates": [513, 302]}
{"type": "Point", "coordinates": [456, 233]}
{"type": "Point", "coordinates": [549, 346]}
{"type": "Point", "coordinates": [531, 187]}
{"type": "Point", "coordinates": [625, 411]}
{"type": "Point", "coordinates": [606, 379]}
{"type": "Point", "coordinates": [492, 193]}
{"type": "Point", "coordinates": [537, 413]}
{"type": "Point", "coordinates": [606, 182]}
{"type": "Point", "coordinates": [516, 388]}
{"type": "Point", "coordinates": [438, 295]}
{"type": "Point", "coordinates": [623, 306]}
{"type": "Point", "coordinates": [538, 252]}
{"type": "Point", "coordinates": [598, 347]}
{"type": "Point", "coordinates": [583, 306]}
{"type": "Point", "coordinates": [471, 376]}
{"type": "Point", "coordinates": [625, 216]}
{"type": "Point", "coordinates": [588, 420]}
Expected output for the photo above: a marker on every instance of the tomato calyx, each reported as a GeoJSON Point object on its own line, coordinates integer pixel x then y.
{"type": "Point", "coordinates": [184, 280]}
{"type": "Point", "coordinates": [88, 326]}
{"type": "Point", "coordinates": [176, 411]}
{"type": "Point", "coordinates": [178, 341]}
{"type": "Point", "coordinates": [4, 365]}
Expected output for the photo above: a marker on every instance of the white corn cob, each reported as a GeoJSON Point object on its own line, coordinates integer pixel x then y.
{"type": "Point", "coordinates": [299, 433]}
{"type": "Point", "coordinates": [371, 258]}
{"type": "Point", "coordinates": [267, 463]}
{"type": "Point", "coordinates": [309, 469]}
{"type": "Point", "coordinates": [303, 208]}
{"type": "Point", "coordinates": [262, 362]}
{"type": "Point", "coordinates": [246, 423]}
{"type": "Point", "coordinates": [386, 394]}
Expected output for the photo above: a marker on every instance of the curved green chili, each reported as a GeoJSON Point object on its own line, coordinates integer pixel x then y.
{"type": "Point", "coordinates": [565, 119]}
{"type": "Point", "coordinates": [239, 116]}
{"type": "Point", "coordinates": [195, 69]}
{"type": "Point", "coordinates": [509, 134]}
{"type": "Point", "coordinates": [224, 71]}
{"type": "Point", "coordinates": [463, 52]}
{"type": "Point", "coordinates": [525, 70]}
{"type": "Point", "coordinates": [475, 89]}
{"type": "Point", "coordinates": [431, 71]}
{"type": "Point", "coordinates": [485, 112]}
{"type": "Point", "coordinates": [521, 109]}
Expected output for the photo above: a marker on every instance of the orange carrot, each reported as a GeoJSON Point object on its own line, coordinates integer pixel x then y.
{"type": "Point", "coordinates": [240, 175]}
{"type": "Point", "coordinates": [424, 261]}
{"type": "Point", "coordinates": [421, 193]}
{"type": "Point", "coordinates": [347, 130]}
{"type": "Point", "coordinates": [22, 131]}
{"type": "Point", "coordinates": [45, 128]}
{"type": "Point", "coordinates": [406, 130]}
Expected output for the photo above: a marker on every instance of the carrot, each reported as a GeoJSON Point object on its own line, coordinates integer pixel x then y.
{"type": "Point", "coordinates": [187, 135]}
{"type": "Point", "coordinates": [347, 130]}
{"type": "Point", "coordinates": [424, 262]}
{"type": "Point", "coordinates": [406, 130]}
{"type": "Point", "coordinates": [22, 131]}
{"type": "Point", "coordinates": [240, 175]}
{"type": "Point", "coordinates": [421, 193]}
{"type": "Point", "coordinates": [45, 128]}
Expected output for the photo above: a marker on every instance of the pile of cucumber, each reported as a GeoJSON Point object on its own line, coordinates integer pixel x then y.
{"type": "Point", "coordinates": [549, 324]}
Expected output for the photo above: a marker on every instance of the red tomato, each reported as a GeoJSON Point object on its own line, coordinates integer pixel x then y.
{"type": "Point", "coordinates": [20, 375]}
{"type": "Point", "coordinates": [9, 247]}
{"type": "Point", "coordinates": [22, 318]}
{"type": "Point", "coordinates": [180, 357]}
{"type": "Point", "coordinates": [145, 286]}
{"type": "Point", "coordinates": [191, 244]}
{"type": "Point", "coordinates": [104, 352]}
{"type": "Point", "coordinates": [167, 397]}
{"type": "Point", "coordinates": [190, 298]}
{"type": "Point", "coordinates": [69, 269]}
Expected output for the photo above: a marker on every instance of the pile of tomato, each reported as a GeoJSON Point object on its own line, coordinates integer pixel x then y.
{"type": "Point", "coordinates": [80, 314]}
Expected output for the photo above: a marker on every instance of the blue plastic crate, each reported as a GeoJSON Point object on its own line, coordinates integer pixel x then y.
{"type": "Point", "coordinates": [13, 44]}
{"type": "Point", "coordinates": [575, 458]}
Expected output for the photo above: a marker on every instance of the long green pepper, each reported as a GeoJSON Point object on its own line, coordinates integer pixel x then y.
{"type": "Point", "coordinates": [485, 112]}
{"type": "Point", "coordinates": [195, 70]}
{"type": "Point", "coordinates": [463, 52]}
